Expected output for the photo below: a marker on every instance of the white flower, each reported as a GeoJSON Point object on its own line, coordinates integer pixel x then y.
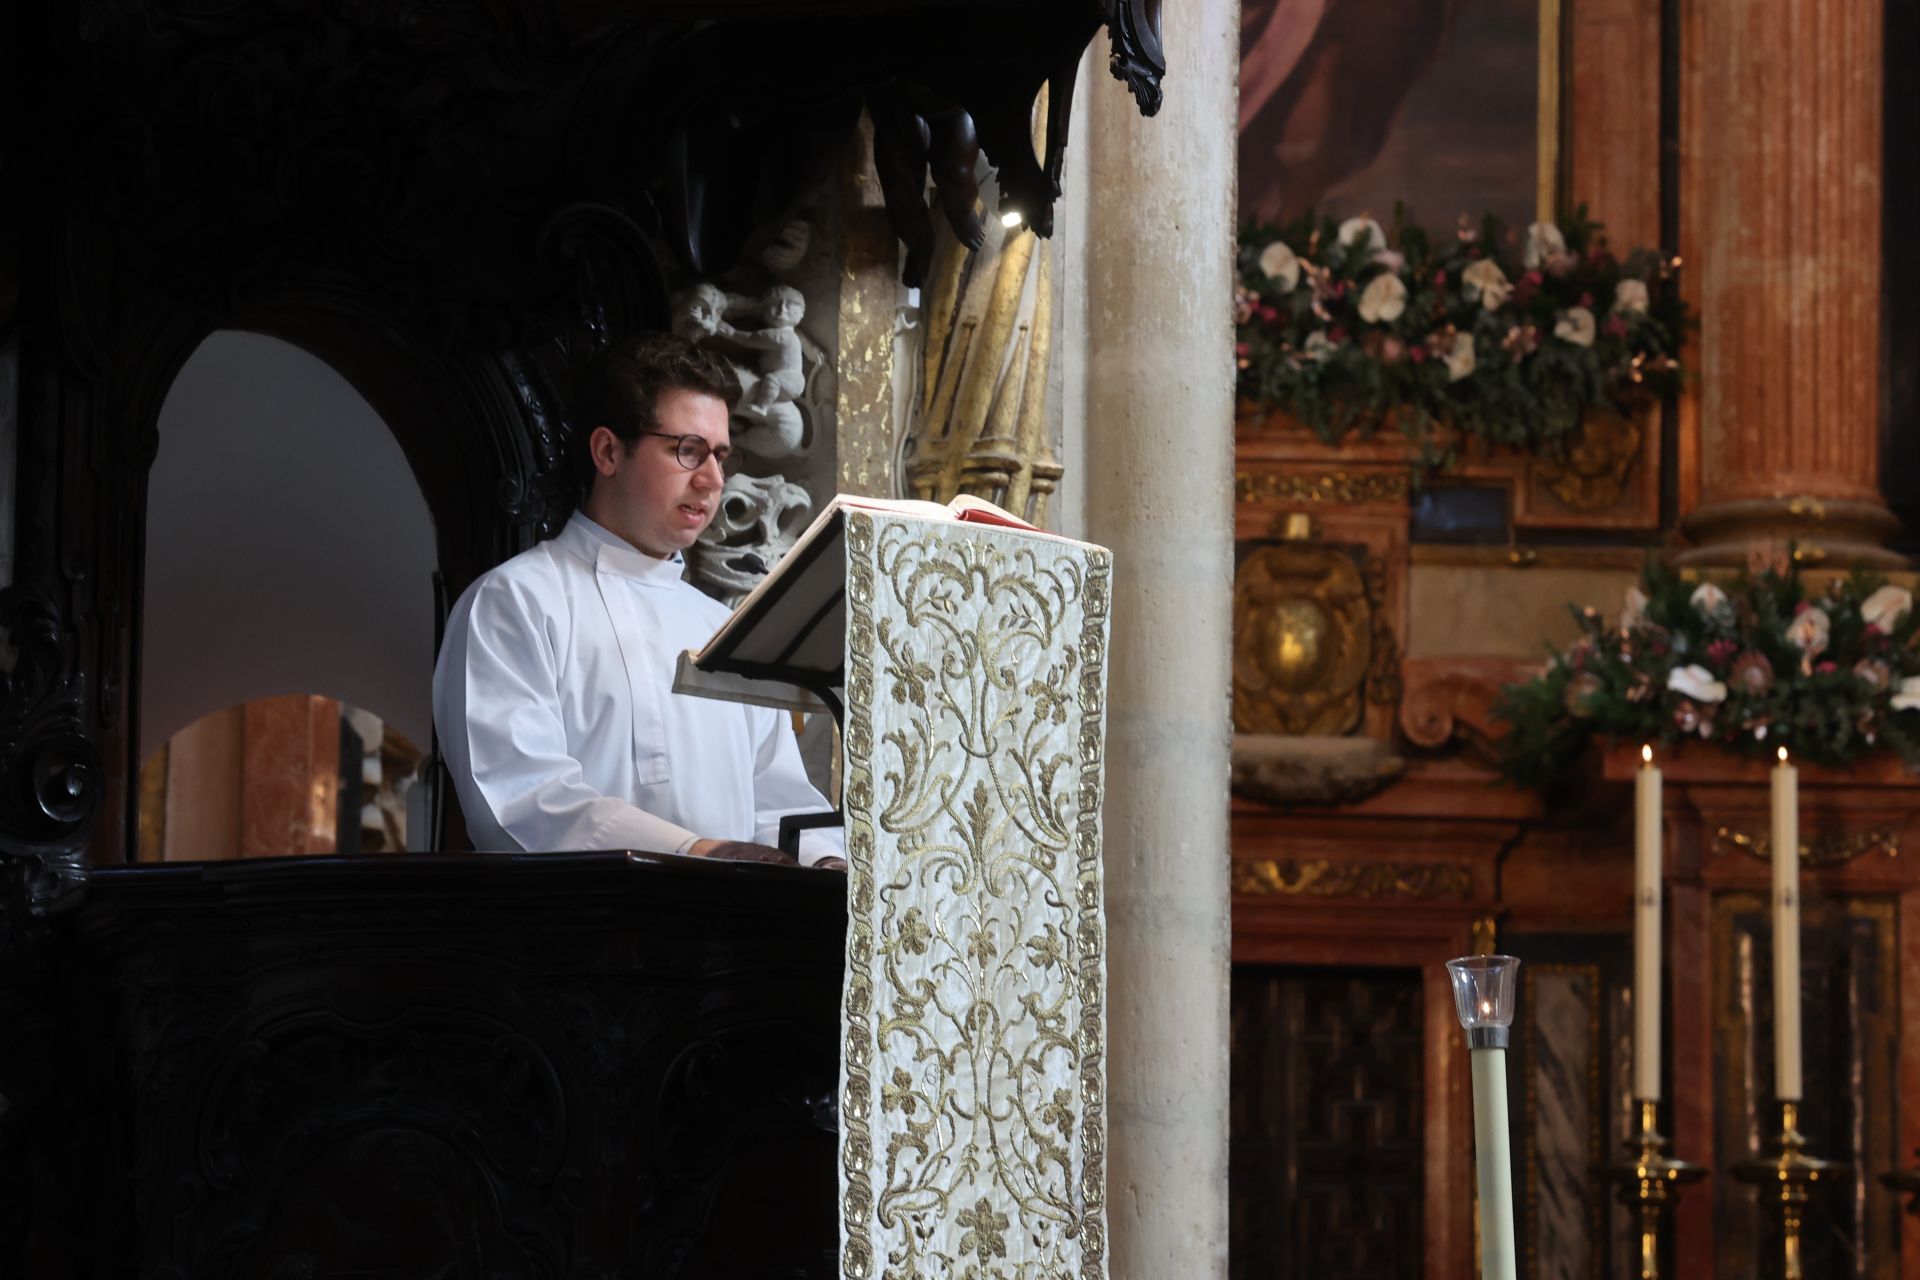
{"type": "Point", "coordinates": [1808, 632]}
{"type": "Point", "coordinates": [1630, 296]}
{"type": "Point", "coordinates": [1384, 298]}
{"type": "Point", "coordinates": [1486, 281]}
{"type": "Point", "coordinates": [1696, 683]}
{"type": "Point", "coordinates": [1278, 262]}
{"type": "Point", "coordinates": [1362, 231]}
{"type": "Point", "coordinates": [1575, 325]}
{"type": "Point", "coordinates": [1634, 614]}
{"type": "Point", "coordinates": [1544, 241]}
{"type": "Point", "coordinates": [1460, 360]}
{"type": "Point", "coordinates": [1885, 607]}
{"type": "Point", "coordinates": [1389, 258]}
{"type": "Point", "coordinates": [1708, 600]}
{"type": "Point", "coordinates": [1317, 347]}
{"type": "Point", "coordinates": [1907, 697]}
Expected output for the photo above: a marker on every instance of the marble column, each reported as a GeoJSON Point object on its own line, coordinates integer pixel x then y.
{"type": "Point", "coordinates": [1158, 409]}
{"type": "Point", "coordinates": [1780, 201]}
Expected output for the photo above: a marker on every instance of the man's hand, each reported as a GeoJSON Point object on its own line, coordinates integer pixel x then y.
{"type": "Point", "coordinates": [830, 864]}
{"type": "Point", "coordinates": [739, 851]}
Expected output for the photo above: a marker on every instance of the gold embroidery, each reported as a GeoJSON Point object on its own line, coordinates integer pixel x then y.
{"type": "Point", "coordinates": [976, 964]}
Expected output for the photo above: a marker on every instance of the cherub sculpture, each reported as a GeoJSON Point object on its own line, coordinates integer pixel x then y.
{"type": "Point", "coordinates": [769, 360]}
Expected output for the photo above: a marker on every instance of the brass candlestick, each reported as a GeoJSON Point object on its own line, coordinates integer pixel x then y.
{"type": "Point", "coordinates": [1649, 1181]}
{"type": "Point", "coordinates": [1786, 1179]}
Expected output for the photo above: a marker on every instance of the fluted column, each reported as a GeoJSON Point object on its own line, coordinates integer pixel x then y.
{"type": "Point", "coordinates": [1158, 413]}
{"type": "Point", "coordinates": [1780, 209]}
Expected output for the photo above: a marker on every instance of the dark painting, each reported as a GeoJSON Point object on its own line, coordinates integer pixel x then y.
{"type": "Point", "coordinates": [1347, 106]}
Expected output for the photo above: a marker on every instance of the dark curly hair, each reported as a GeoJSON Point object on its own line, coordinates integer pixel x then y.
{"type": "Point", "coordinates": [620, 390]}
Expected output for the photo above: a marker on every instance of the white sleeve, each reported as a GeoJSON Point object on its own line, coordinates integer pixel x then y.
{"type": "Point", "coordinates": [780, 787]}
{"type": "Point", "coordinates": [518, 765]}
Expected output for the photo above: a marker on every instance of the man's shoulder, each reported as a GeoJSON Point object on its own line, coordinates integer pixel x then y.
{"type": "Point", "coordinates": [536, 573]}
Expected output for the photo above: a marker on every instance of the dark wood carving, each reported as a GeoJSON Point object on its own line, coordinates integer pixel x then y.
{"type": "Point", "coordinates": [451, 204]}
{"type": "Point", "coordinates": [587, 1066]}
{"type": "Point", "coordinates": [1327, 1157]}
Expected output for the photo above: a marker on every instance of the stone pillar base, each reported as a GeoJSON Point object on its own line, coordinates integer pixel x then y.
{"type": "Point", "coordinates": [1833, 532]}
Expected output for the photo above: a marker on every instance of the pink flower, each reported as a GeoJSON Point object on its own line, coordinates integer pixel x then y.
{"type": "Point", "coordinates": [1720, 651]}
{"type": "Point", "coordinates": [1824, 668]}
{"type": "Point", "coordinates": [1418, 355]}
{"type": "Point", "coordinates": [1439, 279]}
{"type": "Point", "coordinates": [1616, 327]}
{"type": "Point", "coordinates": [1241, 348]}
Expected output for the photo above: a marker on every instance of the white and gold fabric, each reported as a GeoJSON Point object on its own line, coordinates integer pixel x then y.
{"type": "Point", "coordinates": [973, 1100]}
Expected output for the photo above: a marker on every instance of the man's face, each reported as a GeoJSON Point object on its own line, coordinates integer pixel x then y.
{"type": "Point", "coordinates": [645, 495]}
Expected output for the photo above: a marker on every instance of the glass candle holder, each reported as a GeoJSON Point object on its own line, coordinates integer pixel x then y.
{"type": "Point", "coordinates": [1483, 994]}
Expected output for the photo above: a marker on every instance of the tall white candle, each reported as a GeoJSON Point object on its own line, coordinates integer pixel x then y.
{"type": "Point", "coordinates": [1786, 930]}
{"type": "Point", "coordinates": [1494, 1161]}
{"type": "Point", "coordinates": [1646, 928]}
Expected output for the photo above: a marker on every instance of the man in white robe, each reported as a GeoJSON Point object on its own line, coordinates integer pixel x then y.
{"type": "Point", "coordinates": [553, 695]}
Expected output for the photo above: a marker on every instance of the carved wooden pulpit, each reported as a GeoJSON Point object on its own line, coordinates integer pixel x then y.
{"type": "Point", "coordinates": [539, 1065]}
{"type": "Point", "coordinates": [548, 1066]}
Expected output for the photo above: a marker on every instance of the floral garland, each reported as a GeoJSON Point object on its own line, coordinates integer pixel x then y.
{"type": "Point", "coordinates": [1758, 664]}
{"type": "Point", "coordinates": [1343, 328]}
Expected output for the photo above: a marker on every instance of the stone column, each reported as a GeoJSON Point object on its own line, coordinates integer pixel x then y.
{"type": "Point", "coordinates": [1159, 492]}
{"type": "Point", "coordinates": [1780, 171]}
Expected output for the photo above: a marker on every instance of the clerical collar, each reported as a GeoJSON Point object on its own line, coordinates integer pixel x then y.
{"type": "Point", "coordinates": [604, 549]}
{"type": "Point", "coordinates": [607, 538]}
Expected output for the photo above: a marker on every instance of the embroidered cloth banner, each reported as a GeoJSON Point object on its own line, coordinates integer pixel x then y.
{"type": "Point", "coordinates": [973, 1072]}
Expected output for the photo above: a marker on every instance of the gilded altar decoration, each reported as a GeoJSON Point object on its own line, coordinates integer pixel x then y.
{"type": "Point", "coordinates": [1823, 851]}
{"type": "Point", "coordinates": [1323, 878]}
{"type": "Point", "coordinates": [973, 1081]}
{"type": "Point", "coordinates": [1302, 641]}
{"type": "Point", "coordinates": [1340, 488]}
{"type": "Point", "coordinates": [1588, 471]}
{"type": "Point", "coordinates": [979, 422]}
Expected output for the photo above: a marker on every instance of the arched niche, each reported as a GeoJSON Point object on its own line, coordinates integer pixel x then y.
{"type": "Point", "coordinates": [289, 548]}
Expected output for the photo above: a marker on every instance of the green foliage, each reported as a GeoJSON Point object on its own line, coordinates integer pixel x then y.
{"type": "Point", "coordinates": [1751, 666]}
{"type": "Point", "coordinates": [1515, 358]}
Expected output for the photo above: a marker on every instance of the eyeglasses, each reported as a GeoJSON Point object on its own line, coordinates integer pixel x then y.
{"type": "Point", "coordinates": [692, 452]}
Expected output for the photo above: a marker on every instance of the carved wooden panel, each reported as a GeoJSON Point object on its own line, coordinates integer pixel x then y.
{"type": "Point", "coordinates": [1327, 1164]}
{"type": "Point", "coordinates": [552, 1065]}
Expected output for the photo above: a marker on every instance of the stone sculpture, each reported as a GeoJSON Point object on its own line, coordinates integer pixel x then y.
{"type": "Point", "coordinates": [770, 358]}
{"type": "Point", "coordinates": [758, 520]}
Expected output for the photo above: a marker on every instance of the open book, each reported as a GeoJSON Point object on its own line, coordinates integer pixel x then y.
{"type": "Point", "coordinates": [785, 644]}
